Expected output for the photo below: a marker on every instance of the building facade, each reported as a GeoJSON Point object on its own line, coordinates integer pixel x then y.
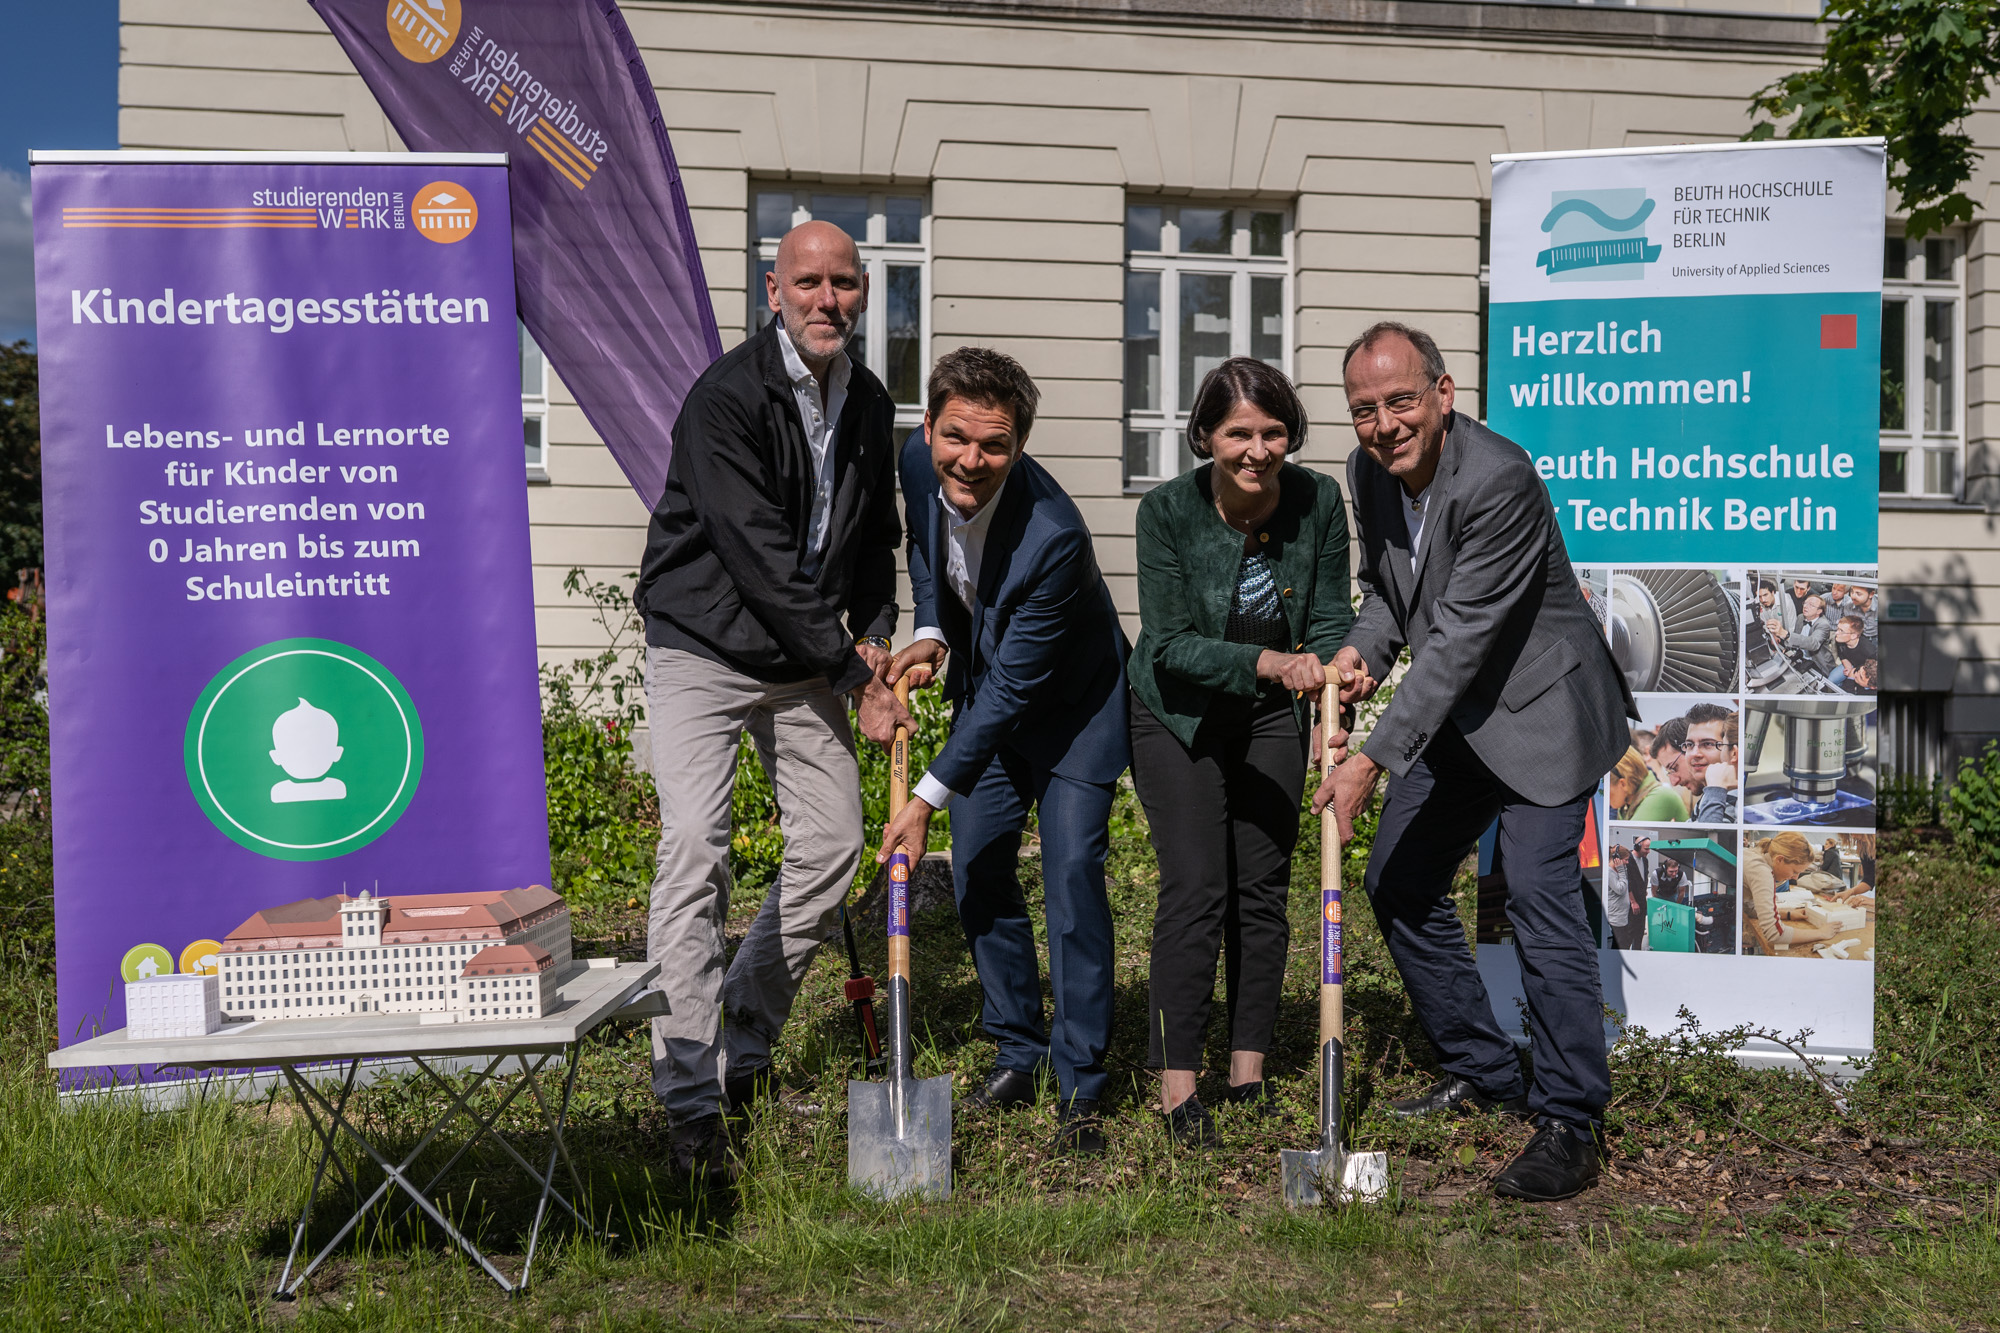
{"type": "Point", "coordinates": [1122, 192]}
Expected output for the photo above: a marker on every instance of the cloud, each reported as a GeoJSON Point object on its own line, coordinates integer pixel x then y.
{"type": "Point", "coordinates": [17, 259]}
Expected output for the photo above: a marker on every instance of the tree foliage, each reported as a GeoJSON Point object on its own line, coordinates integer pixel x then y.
{"type": "Point", "coordinates": [1909, 71]}
{"type": "Point", "coordinates": [20, 462]}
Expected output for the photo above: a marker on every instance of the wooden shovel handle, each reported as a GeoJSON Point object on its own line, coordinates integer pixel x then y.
{"type": "Point", "coordinates": [899, 796]}
{"type": "Point", "coordinates": [1329, 872]}
{"type": "Point", "coordinates": [899, 757]}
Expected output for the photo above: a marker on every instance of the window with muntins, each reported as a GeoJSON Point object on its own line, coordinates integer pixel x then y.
{"type": "Point", "coordinates": [893, 233]}
{"type": "Point", "coordinates": [1923, 360]}
{"type": "Point", "coordinates": [1203, 283]}
{"type": "Point", "coordinates": [535, 407]}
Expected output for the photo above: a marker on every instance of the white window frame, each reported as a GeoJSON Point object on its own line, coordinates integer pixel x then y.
{"type": "Point", "coordinates": [877, 254]}
{"type": "Point", "coordinates": [1921, 446]}
{"type": "Point", "coordinates": [535, 407]}
{"type": "Point", "coordinates": [1170, 454]}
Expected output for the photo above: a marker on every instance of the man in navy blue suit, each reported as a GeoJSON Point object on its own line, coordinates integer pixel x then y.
{"type": "Point", "coordinates": [1004, 579]}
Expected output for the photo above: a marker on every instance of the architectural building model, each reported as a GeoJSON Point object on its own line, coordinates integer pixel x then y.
{"type": "Point", "coordinates": [180, 1005]}
{"type": "Point", "coordinates": [508, 982]}
{"type": "Point", "coordinates": [442, 956]}
{"type": "Point", "coordinates": [1835, 916]}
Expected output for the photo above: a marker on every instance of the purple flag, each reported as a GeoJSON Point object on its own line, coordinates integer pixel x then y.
{"type": "Point", "coordinates": [608, 274]}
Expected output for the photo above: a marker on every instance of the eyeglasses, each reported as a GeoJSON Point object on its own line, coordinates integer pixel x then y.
{"type": "Point", "coordinates": [1703, 746]}
{"type": "Point", "coordinates": [1402, 405]}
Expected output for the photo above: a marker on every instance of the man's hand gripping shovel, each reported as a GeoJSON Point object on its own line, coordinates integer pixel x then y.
{"type": "Point", "coordinates": [1330, 1172]}
{"type": "Point", "coordinates": [899, 1131]}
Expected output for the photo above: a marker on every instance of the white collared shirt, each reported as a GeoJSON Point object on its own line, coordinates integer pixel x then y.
{"type": "Point", "coordinates": [1413, 519]}
{"type": "Point", "coordinates": [821, 417]}
{"type": "Point", "coordinates": [964, 554]}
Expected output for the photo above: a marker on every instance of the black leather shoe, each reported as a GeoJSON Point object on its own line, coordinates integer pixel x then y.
{"type": "Point", "coordinates": [1559, 1161]}
{"type": "Point", "coordinates": [1190, 1125]}
{"type": "Point", "coordinates": [1007, 1087]}
{"type": "Point", "coordinates": [1081, 1133]}
{"type": "Point", "coordinates": [1452, 1093]}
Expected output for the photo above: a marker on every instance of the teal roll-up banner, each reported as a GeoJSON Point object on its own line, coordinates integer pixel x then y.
{"type": "Point", "coordinates": [1688, 342]}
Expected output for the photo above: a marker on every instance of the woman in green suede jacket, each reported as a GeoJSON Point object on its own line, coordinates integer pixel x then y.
{"type": "Point", "coordinates": [1243, 598]}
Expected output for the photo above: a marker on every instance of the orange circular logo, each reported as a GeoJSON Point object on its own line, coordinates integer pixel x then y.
{"type": "Point", "coordinates": [899, 871]}
{"type": "Point", "coordinates": [1333, 913]}
{"type": "Point", "coordinates": [423, 30]}
{"type": "Point", "coordinates": [199, 958]}
{"type": "Point", "coordinates": [445, 212]}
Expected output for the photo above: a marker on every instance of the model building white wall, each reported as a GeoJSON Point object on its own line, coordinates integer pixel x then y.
{"type": "Point", "coordinates": [172, 1006]}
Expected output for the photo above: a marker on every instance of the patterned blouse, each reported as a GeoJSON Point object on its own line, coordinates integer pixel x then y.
{"type": "Point", "coordinates": [1257, 614]}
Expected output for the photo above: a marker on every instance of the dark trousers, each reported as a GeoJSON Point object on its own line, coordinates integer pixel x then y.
{"type": "Point", "coordinates": [986, 826]}
{"type": "Point", "coordinates": [1431, 820]}
{"type": "Point", "coordinates": [1224, 816]}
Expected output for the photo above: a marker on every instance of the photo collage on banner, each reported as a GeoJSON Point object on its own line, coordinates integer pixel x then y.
{"type": "Point", "coordinates": [1756, 698]}
{"type": "Point", "coordinates": [1687, 342]}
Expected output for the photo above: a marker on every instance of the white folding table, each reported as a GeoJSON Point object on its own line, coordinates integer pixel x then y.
{"type": "Point", "coordinates": [594, 992]}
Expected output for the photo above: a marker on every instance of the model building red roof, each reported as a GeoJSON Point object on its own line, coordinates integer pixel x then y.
{"type": "Point", "coordinates": [412, 915]}
{"type": "Point", "coordinates": [306, 917]}
{"type": "Point", "coordinates": [433, 913]}
{"type": "Point", "coordinates": [501, 959]}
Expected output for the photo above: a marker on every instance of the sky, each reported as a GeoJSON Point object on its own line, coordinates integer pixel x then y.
{"type": "Point", "coordinates": [58, 89]}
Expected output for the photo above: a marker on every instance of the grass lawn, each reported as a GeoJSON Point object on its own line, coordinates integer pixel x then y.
{"type": "Point", "coordinates": [1735, 1200]}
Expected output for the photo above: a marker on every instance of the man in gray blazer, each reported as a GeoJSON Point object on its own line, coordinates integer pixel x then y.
{"type": "Point", "coordinates": [1512, 708]}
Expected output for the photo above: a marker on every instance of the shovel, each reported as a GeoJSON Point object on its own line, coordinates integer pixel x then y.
{"type": "Point", "coordinates": [1329, 1172]}
{"type": "Point", "coordinates": [899, 1131]}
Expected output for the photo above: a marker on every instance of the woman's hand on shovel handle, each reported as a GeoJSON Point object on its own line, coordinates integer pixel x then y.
{"type": "Point", "coordinates": [881, 713]}
{"type": "Point", "coordinates": [910, 831]}
{"type": "Point", "coordinates": [918, 663]}
{"type": "Point", "coordinates": [1347, 790]}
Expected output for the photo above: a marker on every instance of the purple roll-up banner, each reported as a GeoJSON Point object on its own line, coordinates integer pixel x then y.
{"type": "Point", "coordinates": [609, 274]}
{"type": "Point", "coordinates": [291, 622]}
{"type": "Point", "coordinates": [899, 894]}
{"type": "Point", "coordinates": [1329, 937]}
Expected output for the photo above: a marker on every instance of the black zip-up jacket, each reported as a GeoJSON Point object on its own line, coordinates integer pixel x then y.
{"type": "Point", "coordinates": [723, 574]}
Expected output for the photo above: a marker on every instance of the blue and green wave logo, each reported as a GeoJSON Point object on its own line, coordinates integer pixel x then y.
{"type": "Point", "coordinates": [1592, 236]}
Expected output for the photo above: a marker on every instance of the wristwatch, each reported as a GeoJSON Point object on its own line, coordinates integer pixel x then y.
{"type": "Point", "coordinates": [878, 640]}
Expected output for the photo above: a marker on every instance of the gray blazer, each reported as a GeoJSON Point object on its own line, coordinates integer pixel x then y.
{"type": "Point", "coordinates": [1813, 640]}
{"type": "Point", "coordinates": [1501, 641]}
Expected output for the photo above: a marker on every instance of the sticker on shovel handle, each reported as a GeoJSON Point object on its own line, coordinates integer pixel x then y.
{"type": "Point", "coordinates": [1329, 937]}
{"type": "Point", "coordinates": [899, 894]}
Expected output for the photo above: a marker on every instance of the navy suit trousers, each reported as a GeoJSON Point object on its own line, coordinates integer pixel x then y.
{"type": "Point", "coordinates": [1431, 819]}
{"type": "Point", "coordinates": [986, 826]}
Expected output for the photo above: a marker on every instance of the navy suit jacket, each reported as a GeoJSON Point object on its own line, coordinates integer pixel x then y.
{"type": "Point", "coordinates": [1038, 662]}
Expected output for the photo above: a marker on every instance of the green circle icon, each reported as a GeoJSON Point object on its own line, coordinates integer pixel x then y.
{"type": "Point", "coordinates": [304, 749]}
{"type": "Point", "coordinates": [142, 962]}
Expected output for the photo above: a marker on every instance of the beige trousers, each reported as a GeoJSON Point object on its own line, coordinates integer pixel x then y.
{"type": "Point", "coordinates": [727, 1020]}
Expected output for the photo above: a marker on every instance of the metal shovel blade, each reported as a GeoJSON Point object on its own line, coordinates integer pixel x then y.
{"type": "Point", "coordinates": [890, 1160]}
{"type": "Point", "coordinates": [1314, 1178]}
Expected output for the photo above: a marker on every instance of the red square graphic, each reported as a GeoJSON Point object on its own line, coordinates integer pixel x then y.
{"type": "Point", "coordinates": [1836, 331]}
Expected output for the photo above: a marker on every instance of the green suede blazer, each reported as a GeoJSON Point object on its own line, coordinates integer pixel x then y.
{"type": "Point", "coordinates": [1188, 561]}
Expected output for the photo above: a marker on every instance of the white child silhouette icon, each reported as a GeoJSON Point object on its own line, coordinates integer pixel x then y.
{"type": "Point", "coordinates": [306, 743]}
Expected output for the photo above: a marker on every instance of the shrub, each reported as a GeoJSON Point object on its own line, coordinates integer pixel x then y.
{"type": "Point", "coordinates": [27, 876]}
{"type": "Point", "coordinates": [1972, 806]}
{"type": "Point", "coordinates": [604, 816]}
{"type": "Point", "coordinates": [1907, 801]}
